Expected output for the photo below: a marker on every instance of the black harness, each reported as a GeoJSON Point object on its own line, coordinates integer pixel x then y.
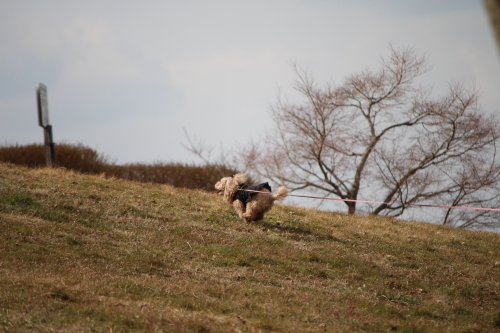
{"type": "Point", "coordinates": [245, 196]}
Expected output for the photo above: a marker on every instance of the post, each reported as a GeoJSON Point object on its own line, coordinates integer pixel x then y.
{"type": "Point", "coordinates": [49, 146]}
{"type": "Point", "coordinates": [43, 121]}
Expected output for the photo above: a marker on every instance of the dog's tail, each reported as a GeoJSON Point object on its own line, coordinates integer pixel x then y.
{"type": "Point", "coordinates": [281, 194]}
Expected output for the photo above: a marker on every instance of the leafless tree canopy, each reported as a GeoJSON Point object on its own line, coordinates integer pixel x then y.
{"type": "Point", "coordinates": [379, 135]}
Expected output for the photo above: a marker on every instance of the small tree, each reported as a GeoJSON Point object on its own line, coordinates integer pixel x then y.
{"type": "Point", "coordinates": [379, 135]}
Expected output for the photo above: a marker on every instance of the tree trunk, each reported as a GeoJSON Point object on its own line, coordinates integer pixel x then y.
{"type": "Point", "coordinates": [351, 207]}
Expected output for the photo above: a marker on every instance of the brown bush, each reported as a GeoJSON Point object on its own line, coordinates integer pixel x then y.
{"type": "Point", "coordinates": [32, 155]}
{"type": "Point", "coordinates": [75, 157]}
{"type": "Point", "coordinates": [176, 174]}
{"type": "Point", "coordinates": [86, 160]}
{"type": "Point", "coordinates": [80, 158]}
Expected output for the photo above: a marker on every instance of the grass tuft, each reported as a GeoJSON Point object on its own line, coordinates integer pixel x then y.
{"type": "Point", "coordinates": [496, 320]}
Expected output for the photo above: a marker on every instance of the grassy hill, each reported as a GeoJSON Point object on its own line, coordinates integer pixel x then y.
{"type": "Point", "coordinates": [82, 253]}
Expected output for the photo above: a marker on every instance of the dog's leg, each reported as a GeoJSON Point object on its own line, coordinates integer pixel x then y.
{"type": "Point", "coordinates": [253, 212]}
{"type": "Point", "coordinates": [240, 208]}
{"type": "Point", "coordinates": [259, 216]}
{"type": "Point", "coordinates": [258, 206]}
{"type": "Point", "coordinates": [248, 215]}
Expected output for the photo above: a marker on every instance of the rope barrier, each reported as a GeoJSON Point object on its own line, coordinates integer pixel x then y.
{"type": "Point", "coordinates": [386, 203]}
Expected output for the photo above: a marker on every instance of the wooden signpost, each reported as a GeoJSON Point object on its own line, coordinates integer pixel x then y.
{"type": "Point", "coordinates": [43, 121]}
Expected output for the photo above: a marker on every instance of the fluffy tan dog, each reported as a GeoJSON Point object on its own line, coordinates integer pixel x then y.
{"type": "Point", "coordinates": [250, 206]}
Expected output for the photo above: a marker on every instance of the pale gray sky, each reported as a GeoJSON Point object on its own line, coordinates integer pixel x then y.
{"type": "Point", "coordinates": [125, 77]}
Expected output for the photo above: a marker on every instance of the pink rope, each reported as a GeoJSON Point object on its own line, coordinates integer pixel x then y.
{"type": "Point", "coordinates": [386, 203]}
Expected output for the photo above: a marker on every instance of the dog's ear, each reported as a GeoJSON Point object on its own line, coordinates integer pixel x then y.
{"type": "Point", "coordinates": [230, 187]}
{"type": "Point", "coordinates": [221, 184]}
{"type": "Point", "coordinates": [240, 178]}
{"type": "Point", "coordinates": [218, 185]}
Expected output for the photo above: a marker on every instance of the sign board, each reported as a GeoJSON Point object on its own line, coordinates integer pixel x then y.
{"type": "Point", "coordinates": [43, 105]}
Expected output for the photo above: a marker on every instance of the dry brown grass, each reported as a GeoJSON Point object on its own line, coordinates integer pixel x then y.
{"type": "Point", "coordinates": [83, 253]}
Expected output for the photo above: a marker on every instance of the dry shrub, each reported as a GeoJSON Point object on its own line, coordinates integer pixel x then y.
{"type": "Point", "coordinates": [175, 174]}
{"type": "Point", "coordinates": [83, 159]}
{"type": "Point", "coordinates": [32, 155]}
{"type": "Point", "coordinates": [70, 156]}
{"type": "Point", "coordinates": [80, 158]}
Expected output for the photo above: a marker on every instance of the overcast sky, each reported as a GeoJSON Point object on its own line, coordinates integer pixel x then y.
{"type": "Point", "coordinates": [125, 77]}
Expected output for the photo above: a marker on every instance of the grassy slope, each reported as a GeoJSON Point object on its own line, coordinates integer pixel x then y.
{"type": "Point", "coordinates": [85, 253]}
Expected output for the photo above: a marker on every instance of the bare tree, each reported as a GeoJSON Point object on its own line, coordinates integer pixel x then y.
{"type": "Point", "coordinates": [198, 148]}
{"type": "Point", "coordinates": [379, 135]}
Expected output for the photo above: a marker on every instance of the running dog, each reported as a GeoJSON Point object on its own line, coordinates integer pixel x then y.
{"type": "Point", "coordinates": [250, 202]}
